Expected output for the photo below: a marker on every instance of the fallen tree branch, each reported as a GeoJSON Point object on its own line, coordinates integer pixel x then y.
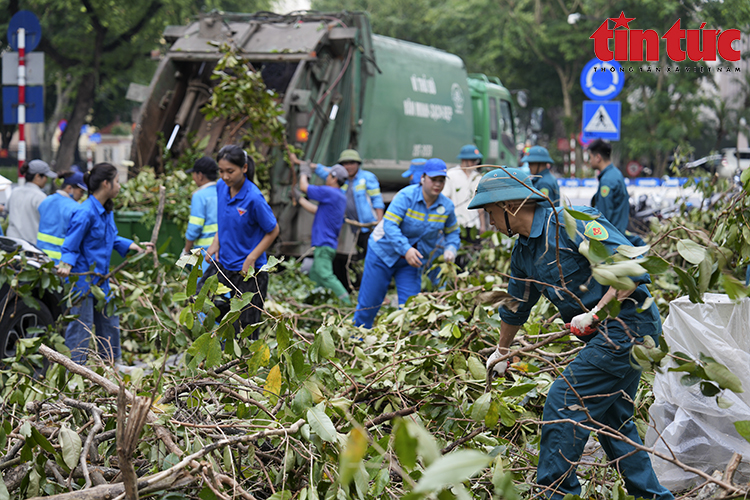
{"type": "Point", "coordinates": [96, 414]}
{"type": "Point", "coordinates": [113, 389]}
{"type": "Point", "coordinates": [174, 477]}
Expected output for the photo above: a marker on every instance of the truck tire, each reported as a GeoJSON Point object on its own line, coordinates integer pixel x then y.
{"type": "Point", "coordinates": [17, 319]}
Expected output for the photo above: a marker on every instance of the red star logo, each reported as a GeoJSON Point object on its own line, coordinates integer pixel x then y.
{"type": "Point", "coordinates": [241, 211]}
{"type": "Point", "coordinates": [597, 231]}
{"type": "Point", "coordinates": [621, 21]}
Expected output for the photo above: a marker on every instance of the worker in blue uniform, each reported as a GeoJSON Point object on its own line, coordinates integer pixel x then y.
{"type": "Point", "coordinates": [203, 223]}
{"type": "Point", "coordinates": [247, 228]}
{"type": "Point", "coordinates": [414, 172]}
{"type": "Point", "coordinates": [601, 383]}
{"type": "Point", "coordinates": [540, 162]}
{"type": "Point", "coordinates": [405, 242]}
{"type": "Point", "coordinates": [55, 213]}
{"type": "Point", "coordinates": [89, 241]}
{"type": "Point", "coordinates": [364, 204]}
{"type": "Point", "coordinates": [611, 198]}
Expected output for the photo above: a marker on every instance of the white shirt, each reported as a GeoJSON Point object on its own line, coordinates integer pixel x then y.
{"type": "Point", "coordinates": [460, 188]}
{"type": "Point", "coordinates": [23, 212]}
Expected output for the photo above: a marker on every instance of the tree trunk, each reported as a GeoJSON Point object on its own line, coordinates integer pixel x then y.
{"type": "Point", "coordinates": [84, 102]}
{"type": "Point", "coordinates": [63, 89]}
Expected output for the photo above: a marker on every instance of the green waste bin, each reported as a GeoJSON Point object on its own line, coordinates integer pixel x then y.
{"type": "Point", "coordinates": [129, 226]}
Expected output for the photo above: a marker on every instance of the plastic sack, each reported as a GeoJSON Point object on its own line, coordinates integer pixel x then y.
{"type": "Point", "coordinates": [686, 423]}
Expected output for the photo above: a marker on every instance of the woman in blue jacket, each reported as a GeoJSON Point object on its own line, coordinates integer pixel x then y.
{"type": "Point", "coordinates": [89, 241]}
{"type": "Point", "coordinates": [404, 242]}
{"type": "Point", "coordinates": [247, 227]}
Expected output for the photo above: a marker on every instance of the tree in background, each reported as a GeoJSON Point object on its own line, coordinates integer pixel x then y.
{"type": "Point", "coordinates": [537, 45]}
{"type": "Point", "coordinates": [94, 48]}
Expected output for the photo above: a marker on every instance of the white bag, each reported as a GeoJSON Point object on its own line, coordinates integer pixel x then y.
{"type": "Point", "coordinates": [692, 426]}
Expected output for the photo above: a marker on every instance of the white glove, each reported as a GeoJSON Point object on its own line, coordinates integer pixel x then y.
{"type": "Point", "coordinates": [501, 367]}
{"type": "Point", "coordinates": [449, 256]}
{"type": "Point", "coordinates": [581, 325]}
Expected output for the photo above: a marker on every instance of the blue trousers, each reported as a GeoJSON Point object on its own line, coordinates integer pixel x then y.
{"type": "Point", "coordinates": [78, 333]}
{"type": "Point", "coordinates": [602, 380]}
{"type": "Point", "coordinates": [375, 281]}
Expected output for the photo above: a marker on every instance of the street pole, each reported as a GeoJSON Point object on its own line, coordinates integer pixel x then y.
{"type": "Point", "coordinates": [21, 101]}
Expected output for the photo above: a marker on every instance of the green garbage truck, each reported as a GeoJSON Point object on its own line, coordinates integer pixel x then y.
{"type": "Point", "coordinates": [340, 86]}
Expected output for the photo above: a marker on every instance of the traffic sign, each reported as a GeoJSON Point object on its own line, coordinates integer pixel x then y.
{"type": "Point", "coordinates": [602, 81]}
{"type": "Point", "coordinates": [27, 20]}
{"type": "Point", "coordinates": [34, 68]}
{"type": "Point", "coordinates": [633, 168]}
{"type": "Point", "coordinates": [601, 119]}
{"type": "Point", "coordinates": [34, 105]}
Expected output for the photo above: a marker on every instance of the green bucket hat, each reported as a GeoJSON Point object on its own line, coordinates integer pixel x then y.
{"type": "Point", "coordinates": [349, 155]}
{"type": "Point", "coordinates": [504, 185]}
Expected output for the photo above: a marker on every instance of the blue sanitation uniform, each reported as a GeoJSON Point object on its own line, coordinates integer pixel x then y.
{"type": "Point", "coordinates": [89, 241]}
{"type": "Point", "coordinates": [602, 370]}
{"type": "Point", "coordinates": [612, 198]}
{"type": "Point", "coordinates": [54, 216]}
{"type": "Point", "coordinates": [243, 222]}
{"type": "Point", "coordinates": [546, 183]}
{"type": "Point", "coordinates": [367, 195]}
{"type": "Point", "coordinates": [407, 223]}
{"type": "Point", "coordinates": [203, 223]}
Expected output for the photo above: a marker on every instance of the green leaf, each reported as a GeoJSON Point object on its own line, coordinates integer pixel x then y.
{"type": "Point", "coordinates": [42, 441]}
{"type": "Point", "coordinates": [493, 415]}
{"type": "Point", "coordinates": [327, 348]}
{"type": "Point", "coordinates": [214, 354]}
{"type": "Point", "coordinates": [452, 469]}
{"type": "Point", "coordinates": [743, 426]}
{"type": "Point", "coordinates": [709, 390]}
{"type": "Point", "coordinates": [405, 446]}
{"type": "Point", "coordinates": [704, 274]}
{"type": "Point", "coordinates": [70, 442]}
{"type": "Point", "coordinates": [691, 251]}
{"type": "Point", "coordinates": [4, 495]}
{"type": "Point", "coordinates": [597, 251]}
{"type": "Point", "coordinates": [570, 224]}
{"type": "Point", "coordinates": [734, 287]}
{"type": "Point", "coordinates": [632, 252]}
{"type": "Point", "coordinates": [481, 406]}
{"type": "Point", "coordinates": [655, 264]}
{"type": "Point", "coordinates": [476, 367]}
{"type": "Point", "coordinates": [302, 402]}
{"type": "Point", "coordinates": [321, 424]}
{"type": "Point", "coordinates": [722, 376]}
{"type": "Point", "coordinates": [580, 215]}
{"type": "Point", "coordinates": [199, 348]}
{"type": "Point", "coordinates": [518, 390]}
{"type": "Point", "coordinates": [688, 283]}
{"type": "Point", "coordinates": [282, 336]}
{"type": "Point", "coordinates": [281, 495]}
{"type": "Point", "coordinates": [723, 403]}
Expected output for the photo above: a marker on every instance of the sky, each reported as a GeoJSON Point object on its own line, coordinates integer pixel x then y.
{"type": "Point", "coordinates": [286, 6]}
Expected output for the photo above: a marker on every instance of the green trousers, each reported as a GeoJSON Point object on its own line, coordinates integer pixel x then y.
{"type": "Point", "coordinates": [322, 273]}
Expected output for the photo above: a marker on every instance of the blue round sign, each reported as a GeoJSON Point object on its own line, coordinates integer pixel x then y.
{"type": "Point", "coordinates": [27, 20]}
{"type": "Point", "coordinates": [602, 80]}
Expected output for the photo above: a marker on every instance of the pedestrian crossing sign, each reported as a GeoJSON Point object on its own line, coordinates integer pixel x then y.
{"type": "Point", "coordinates": [601, 119]}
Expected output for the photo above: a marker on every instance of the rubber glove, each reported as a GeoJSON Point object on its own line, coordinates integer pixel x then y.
{"type": "Point", "coordinates": [582, 324]}
{"type": "Point", "coordinates": [501, 367]}
{"type": "Point", "coordinates": [305, 169]}
{"type": "Point", "coordinates": [449, 256]}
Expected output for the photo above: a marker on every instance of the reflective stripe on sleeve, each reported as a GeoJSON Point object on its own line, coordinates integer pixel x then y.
{"type": "Point", "coordinates": [210, 228]}
{"type": "Point", "coordinates": [198, 221]}
{"type": "Point", "coordinates": [48, 238]}
{"type": "Point", "coordinates": [53, 255]}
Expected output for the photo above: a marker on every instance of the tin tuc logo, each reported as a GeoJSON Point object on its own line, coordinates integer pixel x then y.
{"type": "Point", "coordinates": [700, 44]}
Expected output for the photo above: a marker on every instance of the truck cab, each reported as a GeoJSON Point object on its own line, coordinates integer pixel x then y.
{"type": "Point", "coordinates": [494, 128]}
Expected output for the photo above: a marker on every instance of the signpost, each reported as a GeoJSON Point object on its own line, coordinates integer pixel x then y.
{"type": "Point", "coordinates": [24, 33]}
{"type": "Point", "coordinates": [602, 81]}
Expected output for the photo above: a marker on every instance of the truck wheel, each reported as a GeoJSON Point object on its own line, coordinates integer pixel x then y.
{"type": "Point", "coordinates": [20, 321]}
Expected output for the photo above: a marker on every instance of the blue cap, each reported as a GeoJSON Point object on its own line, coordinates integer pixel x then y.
{"type": "Point", "coordinates": [415, 170]}
{"type": "Point", "coordinates": [504, 185]}
{"type": "Point", "coordinates": [435, 167]}
{"type": "Point", "coordinates": [469, 152]}
{"type": "Point", "coordinates": [537, 154]}
{"type": "Point", "coordinates": [75, 180]}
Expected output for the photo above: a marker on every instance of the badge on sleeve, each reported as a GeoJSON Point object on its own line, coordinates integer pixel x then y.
{"type": "Point", "coordinates": [596, 231]}
{"type": "Point", "coordinates": [545, 191]}
{"type": "Point", "coordinates": [604, 191]}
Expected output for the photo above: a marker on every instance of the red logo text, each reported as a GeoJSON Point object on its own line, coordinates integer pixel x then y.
{"type": "Point", "coordinates": [630, 44]}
